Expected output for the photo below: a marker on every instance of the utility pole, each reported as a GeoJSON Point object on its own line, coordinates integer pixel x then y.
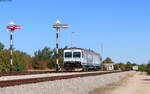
{"type": "Point", "coordinates": [12, 27]}
{"type": "Point", "coordinates": [58, 26]}
{"type": "Point", "coordinates": [102, 56]}
{"type": "Point", "coordinates": [72, 38]}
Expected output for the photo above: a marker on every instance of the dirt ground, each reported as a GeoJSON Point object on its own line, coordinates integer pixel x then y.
{"type": "Point", "coordinates": [138, 84]}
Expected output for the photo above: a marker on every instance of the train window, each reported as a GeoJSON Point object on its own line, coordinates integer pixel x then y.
{"type": "Point", "coordinates": [77, 54]}
{"type": "Point", "coordinates": [68, 54]}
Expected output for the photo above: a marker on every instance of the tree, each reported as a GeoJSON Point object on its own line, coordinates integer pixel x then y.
{"type": "Point", "coordinates": [128, 66]}
{"type": "Point", "coordinates": [120, 66]}
{"type": "Point", "coordinates": [40, 65]}
{"type": "Point", "coordinates": [4, 61]}
{"type": "Point", "coordinates": [42, 58]}
{"type": "Point", "coordinates": [1, 46]}
{"type": "Point", "coordinates": [142, 67]}
{"type": "Point", "coordinates": [148, 68]}
{"type": "Point", "coordinates": [47, 55]}
{"type": "Point", "coordinates": [108, 60]}
{"type": "Point", "coordinates": [116, 67]}
{"type": "Point", "coordinates": [44, 54]}
{"type": "Point", "coordinates": [29, 64]}
{"type": "Point", "coordinates": [19, 61]}
{"type": "Point", "coordinates": [134, 64]}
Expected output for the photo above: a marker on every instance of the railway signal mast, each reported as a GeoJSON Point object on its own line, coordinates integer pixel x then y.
{"type": "Point", "coordinates": [12, 27]}
{"type": "Point", "coordinates": [58, 26]}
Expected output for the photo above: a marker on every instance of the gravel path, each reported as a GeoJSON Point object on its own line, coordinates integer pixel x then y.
{"type": "Point", "coordinates": [138, 84]}
{"type": "Point", "coordinates": [69, 86]}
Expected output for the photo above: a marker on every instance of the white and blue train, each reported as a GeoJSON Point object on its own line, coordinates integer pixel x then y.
{"type": "Point", "coordinates": [81, 59]}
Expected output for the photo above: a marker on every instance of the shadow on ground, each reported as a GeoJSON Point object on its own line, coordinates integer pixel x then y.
{"type": "Point", "coordinates": [146, 79]}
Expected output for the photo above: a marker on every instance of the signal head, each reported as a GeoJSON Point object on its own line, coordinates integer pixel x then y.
{"type": "Point", "coordinates": [11, 23]}
{"type": "Point", "coordinates": [58, 22]}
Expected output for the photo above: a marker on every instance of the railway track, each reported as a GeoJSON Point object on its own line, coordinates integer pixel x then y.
{"type": "Point", "coordinates": [30, 73]}
{"type": "Point", "coordinates": [7, 83]}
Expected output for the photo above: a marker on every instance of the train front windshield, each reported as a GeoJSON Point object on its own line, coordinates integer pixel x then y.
{"type": "Point", "coordinates": [77, 54]}
{"type": "Point", "coordinates": [68, 54]}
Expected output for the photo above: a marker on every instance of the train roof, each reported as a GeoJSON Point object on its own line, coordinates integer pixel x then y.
{"type": "Point", "coordinates": [86, 50]}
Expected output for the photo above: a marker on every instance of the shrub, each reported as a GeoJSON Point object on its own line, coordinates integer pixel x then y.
{"type": "Point", "coordinates": [148, 68]}
{"type": "Point", "coordinates": [19, 61]}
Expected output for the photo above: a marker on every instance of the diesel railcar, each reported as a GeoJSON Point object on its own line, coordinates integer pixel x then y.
{"type": "Point", "coordinates": [81, 59]}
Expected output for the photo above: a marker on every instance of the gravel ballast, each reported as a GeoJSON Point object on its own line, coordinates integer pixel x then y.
{"type": "Point", "coordinates": [15, 77]}
{"type": "Point", "coordinates": [69, 86]}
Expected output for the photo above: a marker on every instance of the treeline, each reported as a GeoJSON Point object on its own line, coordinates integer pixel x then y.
{"type": "Point", "coordinates": [119, 66]}
{"type": "Point", "coordinates": [46, 59]}
{"type": "Point", "coordinates": [42, 59]}
{"type": "Point", "coordinates": [128, 65]}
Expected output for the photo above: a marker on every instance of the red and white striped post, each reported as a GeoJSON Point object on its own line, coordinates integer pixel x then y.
{"type": "Point", "coordinates": [12, 27]}
{"type": "Point", "coordinates": [58, 26]}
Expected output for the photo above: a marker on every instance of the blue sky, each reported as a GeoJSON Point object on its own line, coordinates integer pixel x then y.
{"type": "Point", "coordinates": [123, 26]}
